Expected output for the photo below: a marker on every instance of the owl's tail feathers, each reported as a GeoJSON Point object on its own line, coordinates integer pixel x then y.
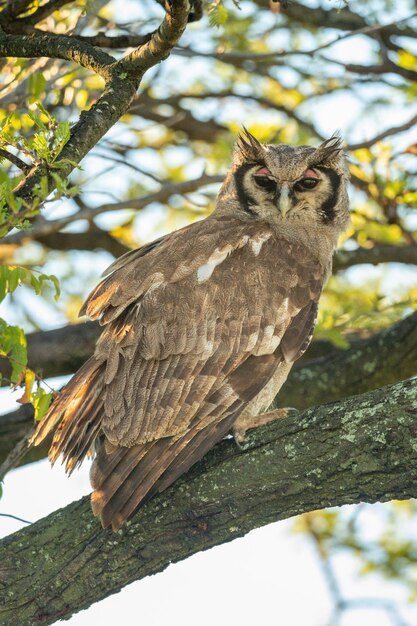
{"type": "Point", "coordinates": [77, 414]}
{"type": "Point", "coordinates": [125, 478]}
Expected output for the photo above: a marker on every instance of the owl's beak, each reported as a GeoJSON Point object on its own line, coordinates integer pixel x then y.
{"type": "Point", "coordinates": [284, 201]}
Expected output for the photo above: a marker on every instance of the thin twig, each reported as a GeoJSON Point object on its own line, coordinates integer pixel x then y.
{"type": "Point", "coordinates": [19, 519]}
{"type": "Point", "coordinates": [5, 154]}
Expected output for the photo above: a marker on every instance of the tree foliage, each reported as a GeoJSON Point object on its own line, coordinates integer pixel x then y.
{"type": "Point", "coordinates": [114, 131]}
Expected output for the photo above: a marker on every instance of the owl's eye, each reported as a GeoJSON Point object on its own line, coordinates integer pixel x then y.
{"type": "Point", "coordinates": [305, 184]}
{"type": "Point", "coordinates": [265, 183]}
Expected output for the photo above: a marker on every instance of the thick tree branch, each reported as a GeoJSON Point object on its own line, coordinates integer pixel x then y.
{"type": "Point", "coordinates": [380, 253]}
{"type": "Point", "coordinates": [161, 42]}
{"type": "Point", "coordinates": [14, 427]}
{"type": "Point", "coordinates": [60, 351]}
{"type": "Point", "coordinates": [42, 44]}
{"type": "Point", "coordinates": [325, 372]}
{"type": "Point", "coordinates": [361, 449]}
{"type": "Point", "coordinates": [386, 357]}
{"type": "Point", "coordinates": [93, 239]}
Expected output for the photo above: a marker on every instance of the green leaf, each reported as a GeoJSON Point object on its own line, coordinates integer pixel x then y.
{"type": "Point", "coordinates": [44, 111]}
{"type": "Point", "coordinates": [62, 134]}
{"type": "Point", "coordinates": [40, 144]}
{"type": "Point", "coordinates": [10, 279]}
{"type": "Point", "coordinates": [218, 15]}
{"type": "Point", "coordinates": [13, 346]}
{"type": "Point", "coordinates": [36, 284]}
{"type": "Point", "coordinates": [36, 85]}
{"type": "Point", "coordinates": [12, 276]}
{"type": "Point", "coordinates": [41, 402]}
{"type": "Point", "coordinates": [37, 120]}
{"type": "Point", "coordinates": [55, 281]}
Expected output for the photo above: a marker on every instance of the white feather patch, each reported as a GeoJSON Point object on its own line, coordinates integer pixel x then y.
{"type": "Point", "coordinates": [284, 200]}
{"type": "Point", "coordinates": [205, 271]}
{"type": "Point", "coordinates": [253, 338]}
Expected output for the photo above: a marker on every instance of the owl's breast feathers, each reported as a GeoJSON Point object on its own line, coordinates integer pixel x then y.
{"type": "Point", "coordinates": [196, 324]}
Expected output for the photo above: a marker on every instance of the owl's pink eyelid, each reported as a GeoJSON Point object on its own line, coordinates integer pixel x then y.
{"type": "Point", "coordinates": [264, 171]}
{"type": "Point", "coordinates": [310, 173]}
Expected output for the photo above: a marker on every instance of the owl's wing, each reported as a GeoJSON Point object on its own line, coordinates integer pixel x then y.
{"type": "Point", "coordinates": [256, 309]}
{"type": "Point", "coordinates": [186, 347]}
{"type": "Point", "coordinates": [178, 349]}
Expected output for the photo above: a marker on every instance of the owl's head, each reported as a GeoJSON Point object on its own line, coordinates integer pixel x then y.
{"type": "Point", "coordinates": [299, 185]}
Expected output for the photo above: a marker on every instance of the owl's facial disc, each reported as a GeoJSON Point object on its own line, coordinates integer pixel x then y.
{"type": "Point", "coordinates": [284, 193]}
{"type": "Point", "coordinates": [279, 183]}
{"type": "Point", "coordinates": [309, 198]}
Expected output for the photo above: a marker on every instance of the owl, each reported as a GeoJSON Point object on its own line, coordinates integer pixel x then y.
{"type": "Point", "coordinates": [202, 326]}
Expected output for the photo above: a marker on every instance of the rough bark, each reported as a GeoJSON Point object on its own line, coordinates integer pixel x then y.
{"type": "Point", "coordinates": [386, 357]}
{"type": "Point", "coordinates": [360, 449]}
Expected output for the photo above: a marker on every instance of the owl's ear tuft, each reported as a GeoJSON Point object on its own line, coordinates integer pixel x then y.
{"type": "Point", "coordinates": [328, 150]}
{"type": "Point", "coordinates": [247, 148]}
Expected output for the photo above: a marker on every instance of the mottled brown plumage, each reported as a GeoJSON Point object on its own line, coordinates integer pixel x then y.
{"type": "Point", "coordinates": [202, 325]}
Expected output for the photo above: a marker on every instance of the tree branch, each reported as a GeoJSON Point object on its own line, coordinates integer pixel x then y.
{"type": "Point", "coordinates": [17, 162]}
{"type": "Point", "coordinates": [168, 189]}
{"type": "Point", "coordinates": [14, 8]}
{"type": "Point", "coordinates": [386, 357]}
{"type": "Point", "coordinates": [343, 19]}
{"type": "Point", "coordinates": [361, 449]}
{"type": "Point", "coordinates": [394, 130]}
{"type": "Point", "coordinates": [380, 253]}
{"type": "Point", "coordinates": [43, 44]}
{"type": "Point", "coordinates": [126, 40]}
{"type": "Point", "coordinates": [93, 239]}
{"type": "Point", "coordinates": [122, 80]}
{"type": "Point", "coordinates": [162, 41]}
{"type": "Point", "coordinates": [325, 373]}
{"type": "Point", "coordinates": [60, 351]}
{"type": "Point", "coordinates": [44, 11]}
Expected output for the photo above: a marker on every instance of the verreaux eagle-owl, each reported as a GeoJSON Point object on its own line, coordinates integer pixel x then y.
{"type": "Point", "coordinates": [202, 326]}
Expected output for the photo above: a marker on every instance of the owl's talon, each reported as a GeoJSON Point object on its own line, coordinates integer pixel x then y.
{"type": "Point", "coordinates": [245, 423]}
{"type": "Point", "coordinates": [239, 436]}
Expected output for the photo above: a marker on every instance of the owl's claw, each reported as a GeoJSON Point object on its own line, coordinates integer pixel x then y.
{"type": "Point", "coordinates": [245, 423]}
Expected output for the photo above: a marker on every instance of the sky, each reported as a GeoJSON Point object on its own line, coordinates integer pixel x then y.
{"type": "Point", "coordinates": [272, 576]}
